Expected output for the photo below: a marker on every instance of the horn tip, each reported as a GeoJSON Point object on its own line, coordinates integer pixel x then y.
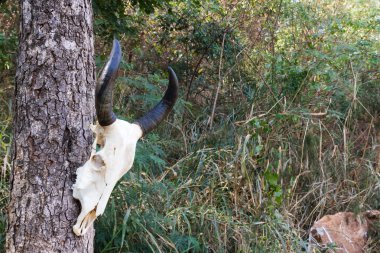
{"type": "Point", "coordinates": [116, 42]}
{"type": "Point", "coordinates": [172, 76]}
{"type": "Point", "coordinates": [116, 49]}
{"type": "Point", "coordinates": [171, 71]}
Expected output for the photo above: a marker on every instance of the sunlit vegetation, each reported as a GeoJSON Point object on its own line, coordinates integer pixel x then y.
{"type": "Point", "coordinates": [277, 122]}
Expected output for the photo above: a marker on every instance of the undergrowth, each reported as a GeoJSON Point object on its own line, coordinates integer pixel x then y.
{"type": "Point", "coordinates": [277, 123]}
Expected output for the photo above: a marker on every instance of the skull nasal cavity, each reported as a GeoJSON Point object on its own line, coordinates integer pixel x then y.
{"type": "Point", "coordinates": [98, 160]}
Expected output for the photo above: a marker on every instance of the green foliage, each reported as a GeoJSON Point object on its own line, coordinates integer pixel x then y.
{"type": "Point", "coordinates": [8, 46]}
{"type": "Point", "coordinates": [7, 49]}
{"type": "Point", "coordinates": [294, 135]}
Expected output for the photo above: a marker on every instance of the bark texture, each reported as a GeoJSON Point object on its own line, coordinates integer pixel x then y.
{"type": "Point", "coordinates": [53, 110]}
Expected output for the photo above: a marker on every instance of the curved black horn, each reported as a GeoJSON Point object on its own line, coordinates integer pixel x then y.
{"type": "Point", "coordinates": [104, 87]}
{"type": "Point", "coordinates": [152, 118]}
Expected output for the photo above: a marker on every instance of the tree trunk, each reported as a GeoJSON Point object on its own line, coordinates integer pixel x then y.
{"type": "Point", "coordinates": [53, 110]}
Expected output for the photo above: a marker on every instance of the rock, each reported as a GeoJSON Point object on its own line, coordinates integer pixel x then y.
{"type": "Point", "coordinates": [343, 232]}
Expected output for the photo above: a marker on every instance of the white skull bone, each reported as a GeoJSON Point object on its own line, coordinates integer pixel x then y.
{"type": "Point", "coordinates": [117, 141]}
{"type": "Point", "coordinates": [99, 175]}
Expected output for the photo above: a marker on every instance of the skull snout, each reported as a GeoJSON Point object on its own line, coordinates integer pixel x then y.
{"type": "Point", "coordinates": [82, 225]}
{"type": "Point", "coordinates": [88, 189]}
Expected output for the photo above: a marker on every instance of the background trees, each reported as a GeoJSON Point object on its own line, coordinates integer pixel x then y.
{"type": "Point", "coordinates": [294, 134]}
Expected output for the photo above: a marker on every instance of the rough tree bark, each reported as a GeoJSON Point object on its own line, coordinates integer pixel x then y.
{"type": "Point", "coordinates": [53, 109]}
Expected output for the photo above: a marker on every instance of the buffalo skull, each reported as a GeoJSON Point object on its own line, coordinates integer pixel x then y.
{"type": "Point", "coordinates": [116, 141]}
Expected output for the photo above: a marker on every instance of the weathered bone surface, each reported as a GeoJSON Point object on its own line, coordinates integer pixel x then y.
{"type": "Point", "coordinates": [98, 176]}
{"type": "Point", "coordinates": [116, 140]}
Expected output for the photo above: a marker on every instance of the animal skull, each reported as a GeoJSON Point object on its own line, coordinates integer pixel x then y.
{"type": "Point", "coordinates": [117, 144]}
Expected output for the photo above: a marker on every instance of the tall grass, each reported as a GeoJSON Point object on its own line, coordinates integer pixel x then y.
{"type": "Point", "coordinates": [294, 137]}
{"type": "Point", "coordinates": [260, 195]}
{"type": "Point", "coordinates": [277, 125]}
